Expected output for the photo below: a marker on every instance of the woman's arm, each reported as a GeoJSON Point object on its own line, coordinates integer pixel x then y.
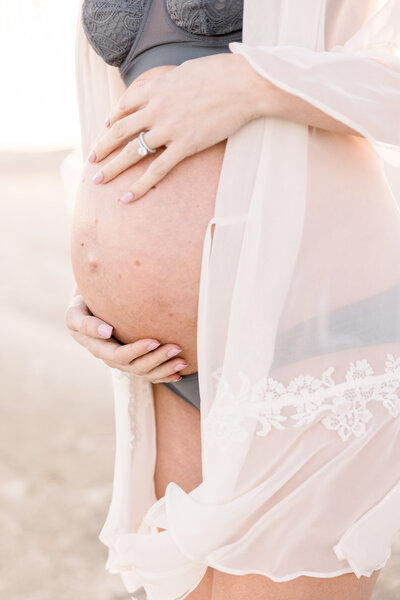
{"type": "Point", "coordinates": [272, 101]}
{"type": "Point", "coordinates": [352, 89]}
{"type": "Point", "coordinates": [190, 108]}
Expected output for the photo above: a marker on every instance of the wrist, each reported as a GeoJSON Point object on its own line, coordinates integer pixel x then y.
{"type": "Point", "coordinates": [263, 98]}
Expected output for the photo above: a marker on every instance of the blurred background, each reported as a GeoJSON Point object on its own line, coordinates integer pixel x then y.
{"type": "Point", "coordinates": [56, 409]}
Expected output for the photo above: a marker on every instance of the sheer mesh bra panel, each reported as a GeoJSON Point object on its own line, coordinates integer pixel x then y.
{"type": "Point", "coordinates": [116, 29]}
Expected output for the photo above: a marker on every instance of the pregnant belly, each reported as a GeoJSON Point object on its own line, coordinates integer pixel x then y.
{"type": "Point", "coordinates": [137, 266]}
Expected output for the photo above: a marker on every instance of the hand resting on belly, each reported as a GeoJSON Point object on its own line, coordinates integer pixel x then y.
{"type": "Point", "coordinates": [137, 266]}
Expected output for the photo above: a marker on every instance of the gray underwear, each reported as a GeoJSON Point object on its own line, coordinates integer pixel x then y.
{"type": "Point", "coordinates": [367, 329]}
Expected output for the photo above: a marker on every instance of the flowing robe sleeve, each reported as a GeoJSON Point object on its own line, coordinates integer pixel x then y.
{"type": "Point", "coordinates": [357, 83]}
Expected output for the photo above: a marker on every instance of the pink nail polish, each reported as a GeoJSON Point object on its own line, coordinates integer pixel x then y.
{"type": "Point", "coordinates": [180, 366]}
{"type": "Point", "coordinates": [99, 177]}
{"type": "Point", "coordinates": [127, 197]}
{"type": "Point", "coordinates": [153, 345]}
{"type": "Point", "coordinates": [104, 330]}
{"type": "Point", "coordinates": [107, 122]}
{"type": "Point", "coordinates": [92, 157]}
{"type": "Point", "coordinates": [177, 378]}
{"type": "Point", "coordinates": [174, 352]}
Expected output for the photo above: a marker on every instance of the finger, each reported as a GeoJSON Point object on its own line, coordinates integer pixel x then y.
{"type": "Point", "coordinates": [131, 100]}
{"type": "Point", "coordinates": [146, 354]}
{"type": "Point", "coordinates": [141, 358]}
{"type": "Point", "coordinates": [120, 132]}
{"type": "Point", "coordinates": [103, 349]}
{"type": "Point", "coordinates": [79, 318]}
{"type": "Point", "coordinates": [127, 157]}
{"type": "Point", "coordinates": [138, 82]}
{"type": "Point", "coordinates": [126, 369]}
{"type": "Point", "coordinates": [165, 357]}
{"type": "Point", "coordinates": [113, 353]}
{"type": "Point", "coordinates": [171, 368]}
{"type": "Point", "coordinates": [170, 379]}
{"type": "Point", "coordinates": [154, 173]}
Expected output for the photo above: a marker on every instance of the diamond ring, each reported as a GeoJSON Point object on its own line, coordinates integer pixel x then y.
{"type": "Point", "coordinates": [143, 148]}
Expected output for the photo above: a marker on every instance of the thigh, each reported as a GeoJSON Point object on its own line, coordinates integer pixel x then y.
{"type": "Point", "coordinates": [178, 441]}
{"type": "Point", "coordinates": [258, 587]}
{"type": "Point", "coordinates": [179, 455]}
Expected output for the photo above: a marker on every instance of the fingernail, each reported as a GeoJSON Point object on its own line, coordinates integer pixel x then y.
{"type": "Point", "coordinates": [104, 330]}
{"type": "Point", "coordinates": [99, 177]}
{"type": "Point", "coordinates": [177, 378]}
{"type": "Point", "coordinates": [153, 345]}
{"type": "Point", "coordinates": [180, 366]}
{"type": "Point", "coordinates": [128, 197]}
{"type": "Point", "coordinates": [107, 122]}
{"type": "Point", "coordinates": [92, 157]}
{"type": "Point", "coordinates": [174, 352]}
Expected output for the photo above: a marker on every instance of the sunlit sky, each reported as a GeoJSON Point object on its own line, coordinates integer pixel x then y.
{"type": "Point", "coordinates": [37, 66]}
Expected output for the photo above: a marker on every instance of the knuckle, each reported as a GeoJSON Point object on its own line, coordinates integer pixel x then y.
{"type": "Point", "coordinates": [119, 358]}
{"type": "Point", "coordinates": [121, 104]}
{"type": "Point", "coordinates": [85, 325]}
{"type": "Point", "coordinates": [118, 129]}
{"type": "Point", "coordinates": [187, 143]}
{"type": "Point", "coordinates": [131, 148]}
{"type": "Point", "coordinates": [156, 107]}
{"type": "Point", "coordinates": [134, 369]}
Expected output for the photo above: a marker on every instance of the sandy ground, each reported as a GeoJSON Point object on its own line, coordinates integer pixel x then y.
{"type": "Point", "coordinates": [56, 416]}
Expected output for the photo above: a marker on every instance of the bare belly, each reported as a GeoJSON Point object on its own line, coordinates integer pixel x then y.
{"type": "Point", "coordinates": [138, 266]}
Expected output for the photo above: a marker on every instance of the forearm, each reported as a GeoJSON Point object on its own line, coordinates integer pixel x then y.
{"type": "Point", "coordinates": [288, 106]}
{"type": "Point", "coordinates": [270, 100]}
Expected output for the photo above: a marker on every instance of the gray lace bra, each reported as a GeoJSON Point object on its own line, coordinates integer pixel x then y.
{"type": "Point", "coordinates": [121, 30]}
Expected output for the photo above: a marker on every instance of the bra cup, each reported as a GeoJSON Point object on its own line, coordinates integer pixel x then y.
{"type": "Point", "coordinates": [111, 27]}
{"type": "Point", "coordinates": [206, 17]}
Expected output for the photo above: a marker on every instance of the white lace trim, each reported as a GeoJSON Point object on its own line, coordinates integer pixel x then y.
{"type": "Point", "coordinates": [140, 396]}
{"type": "Point", "coordinates": [341, 407]}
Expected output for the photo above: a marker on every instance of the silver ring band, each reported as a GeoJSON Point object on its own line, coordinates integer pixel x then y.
{"type": "Point", "coordinates": [143, 147]}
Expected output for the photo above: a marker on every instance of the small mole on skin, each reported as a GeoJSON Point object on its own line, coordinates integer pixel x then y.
{"type": "Point", "coordinates": [82, 243]}
{"type": "Point", "coordinates": [137, 263]}
{"type": "Point", "coordinates": [92, 264]}
{"type": "Point", "coordinates": [170, 314]}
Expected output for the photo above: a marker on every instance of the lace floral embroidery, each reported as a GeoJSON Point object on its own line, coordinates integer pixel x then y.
{"type": "Point", "coordinates": [207, 17]}
{"type": "Point", "coordinates": [340, 407]}
{"type": "Point", "coordinates": [111, 27]}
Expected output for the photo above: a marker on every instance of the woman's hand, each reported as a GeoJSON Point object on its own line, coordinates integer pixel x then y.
{"type": "Point", "coordinates": [147, 357]}
{"type": "Point", "coordinates": [186, 109]}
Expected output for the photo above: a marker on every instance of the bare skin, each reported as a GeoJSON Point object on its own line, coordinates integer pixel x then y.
{"type": "Point", "coordinates": [138, 266]}
{"type": "Point", "coordinates": [177, 422]}
{"type": "Point", "coordinates": [179, 460]}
